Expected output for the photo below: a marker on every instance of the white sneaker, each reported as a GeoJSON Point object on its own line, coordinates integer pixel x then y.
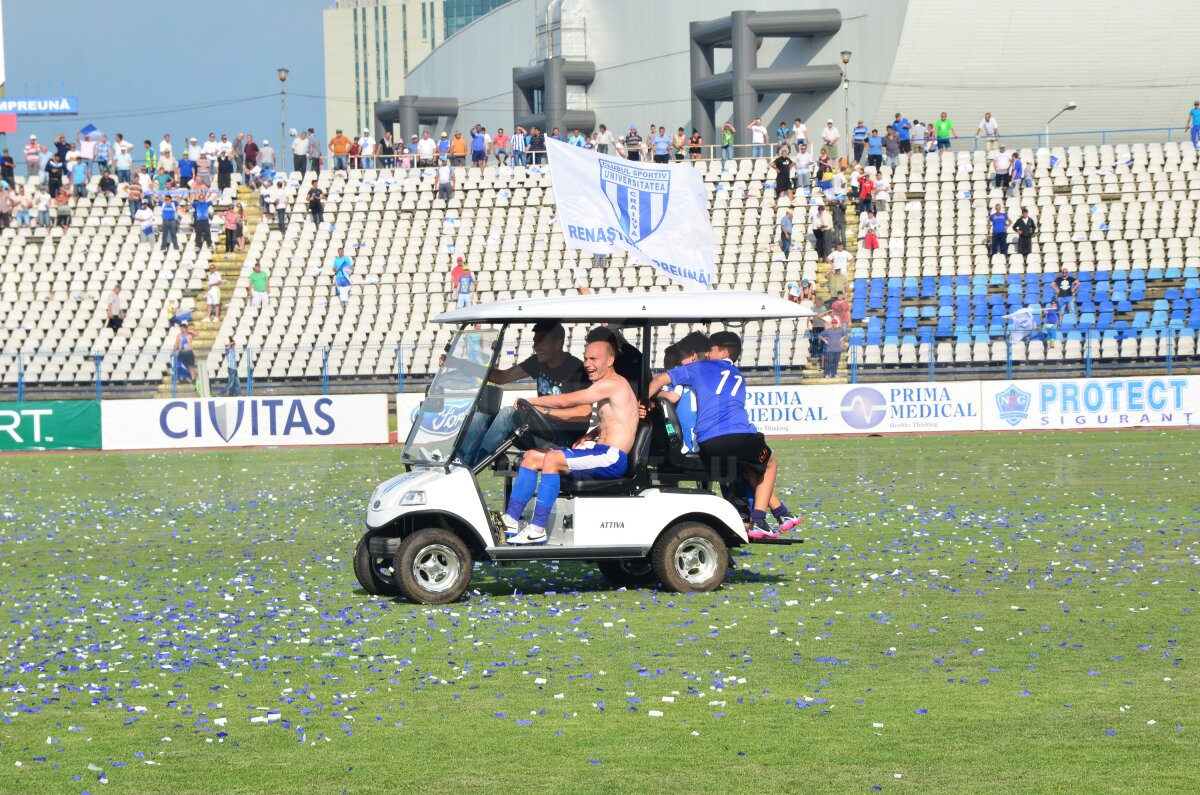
{"type": "Point", "coordinates": [530, 535]}
{"type": "Point", "coordinates": [510, 525]}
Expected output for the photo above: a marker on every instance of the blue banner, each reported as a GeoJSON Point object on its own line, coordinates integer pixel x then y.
{"type": "Point", "coordinates": [40, 106]}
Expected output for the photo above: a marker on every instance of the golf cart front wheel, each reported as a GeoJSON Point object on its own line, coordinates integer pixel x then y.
{"type": "Point", "coordinates": [374, 572]}
{"type": "Point", "coordinates": [690, 557]}
{"type": "Point", "coordinates": [433, 567]}
{"type": "Point", "coordinates": [628, 573]}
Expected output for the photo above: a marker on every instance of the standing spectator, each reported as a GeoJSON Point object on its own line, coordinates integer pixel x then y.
{"type": "Point", "coordinates": [1026, 228]}
{"type": "Point", "coordinates": [316, 206]}
{"type": "Point", "coordinates": [944, 131]}
{"type": "Point", "coordinates": [823, 231]}
{"type": "Point", "coordinates": [576, 139]}
{"type": "Point", "coordinates": [33, 161]}
{"type": "Point", "coordinates": [343, 269]}
{"type": "Point", "coordinates": [6, 206]}
{"type": "Point", "coordinates": [839, 272]}
{"type": "Point", "coordinates": [868, 230]}
{"type": "Point", "coordinates": [662, 146]}
{"type": "Point", "coordinates": [519, 143]}
{"type": "Point", "coordinates": [123, 159]}
{"type": "Point", "coordinates": [782, 166]}
{"type": "Point", "coordinates": [183, 350]}
{"type": "Point", "coordinates": [604, 141]}
{"type": "Point", "coordinates": [114, 308]}
{"type": "Point", "coordinates": [224, 171]}
{"type": "Point", "coordinates": [633, 144]}
{"type": "Point", "coordinates": [918, 137]}
{"type": "Point", "coordinates": [260, 283]}
{"type": "Point", "coordinates": [385, 151]}
{"type": "Point", "coordinates": [353, 154]}
{"type": "Point", "coordinates": [300, 153]}
{"type": "Point", "coordinates": [903, 128]}
{"type": "Point", "coordinates": [241, 227]}
{"type": "Point", "coordinates": [501, 142]}
{"type": "Point", "coordinates": [426, 151]}
{"type": "Point", "coordinates": [989, 128]}
{"type": "Point", "coordinates": [838, 211]}
{"type": "Point", "coordinates": [281, 206]}
{"type": "Point", "coordinates": [133, 193]}
{"type": "Point", "coordinates": [233, 386]}
{"type": "Point", "coordinates": [202, 220]}
{"type": "Point", "coordinates": [446, 179]}
{"type": "Point", "coordinates": [144, 220]}
{"type": "Point", "coordinates": [1002, 167]}
{"type": "Point", "coordinates": [185, 170]}
{"type": "Point", "coordinates": [782, 132]}
{"type": "Point", "coordinates": [339, 150]}
{"type": "Point", "coordinates": [465, 285]}
{"type": "Point", "coordinates": [839, 310]}
{"type": "Point", "coordinates": [785, 233]}
{"type": "Point", "coordinates": [536, 148]}
{"type": "Point", "coordinates": [266, 156]}
{"type": "Point", "coordinates": [62, 208]}
{"type": "Point", "coordinates": [211, 148]}
{"type": "Point", "coordinates": [1016, 175]}
{"type": "Point", "coordinates": [833, 340]}
{"type": "Point", "coordinates": [229, 221]}
{"type": "Point", "coordinates": [696, 146]}
{"type": "Point", "coordinates": [8, 167]}
{"type": "Point", "coordinates": [102, 155]}
{"type": "Point", "coordinates": [213, 295]}
{"type": "Point", "coordinates": [42, 205]}
{"type": "Point", "coordinates": [799, 132]}
{"type": "Point", "coordinates": [164, 146]}
{"type": "Point", "coordinates": [239, 153]}
{"type": "Point", "coordinates": [726, 143]}
{"type": "Point", "coordinates": [758, 139]}
{"type": "Point", "coordinates": [54, 173]}
{"type": "Point", "coordinates": [1193, 124]}
{"type": "Point", "coordinates": [831, 136]}
{"type": "Point", "coordinates": [860, 136]}
{"type": "Point", "coordinates": [314, 152]}
{"type": "Point", "coordinates": [679, 144]}
{"type": "Point", "coordinates": [194, 151]}
{"type": "Point", "coordinates": [366, 149]}
{"type": "Point", "coordinates": [1067, 287]}
{"type": "Point", "coordinates": [881, 194]}
{"type": "Point", "coordinates": [23, 205]}
{"type": "Point", "coordinates": [999, 226]}
{"type": "Point", "coordinates": [250, 154]}
{"type": "Point", "coordinates": [458, 149]}
{"type": "Point", "coordinates": [874, 150]}
{"type": "Point", "coordinates": [866, 194]}
{"type": "Point", "coordinates": [891, 149]}
{"type": "Point", "coordinates": [443, 145]}
{"type": "Point", "coordinates": [479, 151]}
{"type": "Point", "coordinates": [804, 164]}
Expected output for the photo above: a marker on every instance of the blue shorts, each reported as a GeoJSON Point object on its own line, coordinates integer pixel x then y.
{"type": "Point", "coordinates": [596, 461]}
{"type": "Point", "coordinates": [943, 143]}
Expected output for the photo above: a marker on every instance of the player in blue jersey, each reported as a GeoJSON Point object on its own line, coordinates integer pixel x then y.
{"type": "Point", "coordinates": [723, 429]}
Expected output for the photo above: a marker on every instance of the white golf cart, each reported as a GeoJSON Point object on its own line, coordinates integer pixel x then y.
{"type": "Point", "coordinates": [661, 523]}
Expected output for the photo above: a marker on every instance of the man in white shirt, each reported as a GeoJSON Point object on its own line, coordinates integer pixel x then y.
{"type": "Point", "coordinates": [918, 137]}
{"type": "Point", "coordinates": [164, 146]}
{"type": "Point", "coordinates": [1002, 166]}
{"type": "Point", "coordinates": [831, 136]}
{"type": "Point", "coordinates": [799, 133]}
{"type": "Point", "coordinates": [990, 130]}
{"type": "Point", "coordinates": [300, 146]}
{"type": "Point", "coordinates": [758, 138]}
{"type": "Point", "coordinates": [425, 150]}
{"type": "Point", "coordinates": [840, 259]}
{"type": "Point", "coordinates": [225, 145]}
{"type": "Point", "coordinates": [366, 149]}
{"type": "Point", "coordinates": [211, 148]}
{"type": "Point", "coordinates": [193, 149]}
{"type": "Point", "coordinates": [804, 163]}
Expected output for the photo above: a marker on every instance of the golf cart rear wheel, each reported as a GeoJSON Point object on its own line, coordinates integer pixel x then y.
{"type": "Point", "coordinates": [690, 557]}
{"type": "Point", "coordinates": [628, 573]}
{"type": "Point", "coordinates": [374, 572]}
{"type": "Point", "coordinates": [433, 567]}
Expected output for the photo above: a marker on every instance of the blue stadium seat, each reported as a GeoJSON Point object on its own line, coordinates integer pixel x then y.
{"type": "Point", "coordinates": [1173, 273]}
{"type": "Point", "coordinates": [1154, 274]}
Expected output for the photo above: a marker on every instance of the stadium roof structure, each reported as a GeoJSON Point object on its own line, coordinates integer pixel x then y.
{"type": "Point", "coordinates": [657, 308]}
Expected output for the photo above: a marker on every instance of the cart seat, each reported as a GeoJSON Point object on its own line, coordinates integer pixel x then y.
{"type": "Point", "coordinates": [635, 478]}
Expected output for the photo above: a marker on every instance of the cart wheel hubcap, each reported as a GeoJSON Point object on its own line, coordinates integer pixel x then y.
{"type": "Point", "coordinates": [436, 567]}
{"type": "Point", "coordinates": [696, 560]}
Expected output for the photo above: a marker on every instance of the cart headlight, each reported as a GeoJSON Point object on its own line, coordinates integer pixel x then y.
{"type": "Point", "coordinates": [413, 498]}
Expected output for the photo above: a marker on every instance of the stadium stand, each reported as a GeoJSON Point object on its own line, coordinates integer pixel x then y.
{"type": "Point", "coordinates": [1121, 218]}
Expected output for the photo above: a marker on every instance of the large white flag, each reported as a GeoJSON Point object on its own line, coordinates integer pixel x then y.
{"type": "Point", "coordinates": [657, 213]}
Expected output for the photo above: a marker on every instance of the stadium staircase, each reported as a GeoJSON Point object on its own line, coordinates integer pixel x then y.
{"type": "Point", "coordinates": [230, 266]}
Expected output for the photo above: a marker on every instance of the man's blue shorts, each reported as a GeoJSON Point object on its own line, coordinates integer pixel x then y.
{"type": "Point", "coordinates": [943, 143]}
{"type": "Point", "coordinates": [596, 462]}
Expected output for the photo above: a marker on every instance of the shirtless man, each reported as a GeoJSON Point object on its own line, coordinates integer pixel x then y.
{"type": "Point", "coordinates": [605, 456]}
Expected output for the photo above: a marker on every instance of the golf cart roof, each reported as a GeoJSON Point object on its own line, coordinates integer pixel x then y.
{"type": "Point", "coordinates": [657, 308]}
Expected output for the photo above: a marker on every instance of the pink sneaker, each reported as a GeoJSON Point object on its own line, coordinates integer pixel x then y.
{"type": "Point", "coordinates": [759, 533]}
{"type": "Point", "coordinates": [790, 523]}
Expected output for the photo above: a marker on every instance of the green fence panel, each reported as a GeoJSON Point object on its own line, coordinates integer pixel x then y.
{"type": "Point", "coordinates": [50, 425]}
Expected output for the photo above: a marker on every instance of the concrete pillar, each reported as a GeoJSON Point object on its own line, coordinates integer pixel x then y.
{"type": "Point", "coordinates": [704, 111]}
{"type": "Point", "coordinates": [554, 94]}
{"type": "Point", "coordinates": [744, 62]}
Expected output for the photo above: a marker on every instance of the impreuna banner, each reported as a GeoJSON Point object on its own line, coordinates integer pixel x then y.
{"type": "Point", "coordinates": [50, 425]}
{"type": "Point", "coordinates": [658, 213]}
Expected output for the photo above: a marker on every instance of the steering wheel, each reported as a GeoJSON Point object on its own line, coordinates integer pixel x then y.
{"type": "Point", "coordinates": [539, 424]}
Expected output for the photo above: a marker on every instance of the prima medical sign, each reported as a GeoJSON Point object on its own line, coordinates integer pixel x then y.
{"type": "Point", "coordinates": [40, 106]}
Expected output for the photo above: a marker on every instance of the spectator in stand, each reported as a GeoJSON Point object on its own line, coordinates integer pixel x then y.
{"type": "Point", "coordinates": [556, 135]}
{"type": "Point", "coordinates": [576, 139]}
{"type": "Point", "coordinates": [194, 151]}
{"type": "Point", "coordinates": [944, 131]}
{"type": "Point", "coordinates": [830, 136]}
{"type": "Point", "coordinates": [903, 128]}
{"type": "Point", "coordinates": [300, 153]}
{"type": "Point", "coordinates": [366, 149]}
{"type": "Point", "coordinates": [445, 179]}
{"type": "Point", "coordinates": [839, 310]}
{"type": "Point", "coordinates": [224, 171]}
{"type": "Point", "coordinates": [782, 166]}
{"type": "Point", "coordinates": [1193, 124]}
{"type": "Point", "coordinates": [1066, 287]}
{"type": "Point", "coordinates": [633, 144]}
{"type": "Point", "coordinates": [989, 128]}
{"type": "Point", "coordinates": [211, 148]}
{"type": "Point", "coordinates": [868, 230]}
{"type": "Point", "coordinates": [280, 198]}
{"type": "Point", "coordinates": [823, 231]}
{"type": "Point", "coordinates": [479, 150]}
{"type": "Point", "coordinates": [891, 149]}
{"type": "Point", "coordinates": [54, 173]}
{"type": "Point", "coordinates": [339, 149]}
{"type": "Point", "coordinates": [838, 210]}
{"type": "Point", "coordinates": [782, 132]}
{"type": "Point", "coordinates": [785, 233]}
{"type": "Point", "coordinates": [62, 208]}
{"type": "Point", "coordinates": [266, 157]}
{"type": "Point", "coordinates": [123, 160]}
{"type": "Point", "coordinates": [874, 150]}
{"type": "Point", "coordinates": [536, 148]}
{"type": "Point", "coordinates": [212, 296]}
{"type": "Point", "coordinates": [23, 205]}
{"type": "Point", "coordinates": [183, 349]}
{"type": "Point", "coordinates": [727, 133]}
{"type": "Point", "coordinates": [833, 340]}
{"type": "Point", "coordinates": [42, 204]}
{"type": "Point", "coordinates": [1016, 175]}
{"type": "Point", "coordinates": [241, 227]}
{"type": "Point", "coordinates": [33, 160]}
{"type": "Point", "coordinates": [661, 145]}
{"type": "Point", "coordinates": [229, 222]}
{"type": "Point", "coordinates": [163, 180]}
{"type": "Point", "coordinates": [114, 309]}
{"type": "Point", "coordinates": [385, 152]}
{"type": "Point", "coordinates": [758, 139]}
{"type": "Point", "coordinates": [866, 191]}
{"type": "Point", "coordinates": [605, 143]}
{"type": "Point", "coordinates": [185, 170]}
{"type": "Point", "coordinates": [239, 153]}
{"type": "Point", "coordinates": [8, 167]}
{"type": "Point", "coordinates": [133, 194]}
{"type": "Point", "coordinates": [314, 152]}
{"type": "Point", "coordinates": [918, 137]}
{"type": "Point", "coordinates": [1001, 162]}
{"type": "Point", "coordinates": [426, 151]}
{"type": "Point", "coordinates": [520, 141]}
{"type": "Point", "coordinates": [1026, 228]}
{"type": "Point", "coordinates": [233, 386]}
{"type": "Point", "coordinates": [804, 163]}
{"type": "Point", "coordinates": [799, 133]}
{"type": "Point", "coordinates": [353, 154]}
{"type": "Point", "coordinates": [108, 185]}
{"type": "Point", "coordinates": [860, 136]}
{"type": "Point", "coordinates": [464, 287]}
{"type": "Point", "coordinates": [249, 160]}
{"type": "Point", "coordinates": [202, 219]}
{"type": "Point", "coordinates": [458, 150]}
{"type": "Point", "coordinates": [501, 143]}
{"type": "Point", "coordinates": [101, 154]}
{"type": "Point", "coordinates": [6, 206]}
{"type": "Point", "coordinates": [679, 144]}
{"type": "Point", "coordinates": [316, 205]}
{"type": "Point", "coordinates": [839, 272]}
{"type": "Point", "coordinates": [144, 220]}
{"type": "Point", "coordinates": [260, 284]}
{"type": "Point", "coordinates": [443, 145]}
{"type": "Point", "coordinates": [881, 194]}
{"type": "Point", "coordinates": [343, 269]}
{"type": "Point", "coordinates": [998, 222]}
{"type": "Point", "coordinates": [696, 146]}
{"type": "Point", "coordinates": [164, 146]}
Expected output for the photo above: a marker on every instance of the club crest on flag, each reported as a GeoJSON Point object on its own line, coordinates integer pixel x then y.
{"type": "Point", "coordinates": [1013, 405]}
{"type": "Point", "coordinates": [637, 195]}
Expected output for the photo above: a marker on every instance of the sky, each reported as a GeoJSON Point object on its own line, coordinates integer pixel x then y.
{"type": "Point", "coordinates": [148, 67]}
